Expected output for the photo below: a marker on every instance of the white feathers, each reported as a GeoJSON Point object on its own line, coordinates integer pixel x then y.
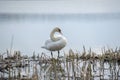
{"type": "Point", "coordinates": [59, 43]}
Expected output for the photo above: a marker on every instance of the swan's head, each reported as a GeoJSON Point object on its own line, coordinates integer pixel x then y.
{"type": "Point", "coordinates": [57, 30]}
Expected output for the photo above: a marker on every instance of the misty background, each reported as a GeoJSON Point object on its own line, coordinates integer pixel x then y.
{"type": "Point", "coordinates": [92, 23]}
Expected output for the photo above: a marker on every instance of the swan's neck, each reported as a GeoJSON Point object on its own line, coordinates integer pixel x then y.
{"type": "Point", "coordinates": [52, 36]}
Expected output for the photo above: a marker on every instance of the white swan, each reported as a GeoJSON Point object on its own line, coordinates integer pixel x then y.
{"type": "Point", "coordinates": [56, 42]}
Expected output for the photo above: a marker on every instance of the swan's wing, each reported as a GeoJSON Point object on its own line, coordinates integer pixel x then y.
{"type": "Point", "coordinates": [55, 45]}
{"type": "Point", "coordinates": [61, 37]}
{"type": "Point", "coordinates": [48, 42]}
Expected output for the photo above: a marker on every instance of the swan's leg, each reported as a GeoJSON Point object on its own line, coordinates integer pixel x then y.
{"type": "Point", "coordinates": [51, 54]}
{"type": "Point", "coordinates": [58, 58]}
{"type": "Point", "coordinates": [58, 54]}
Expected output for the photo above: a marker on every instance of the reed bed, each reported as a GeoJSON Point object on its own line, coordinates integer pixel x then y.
{"type": "Point", "coordinates": [86, 65]}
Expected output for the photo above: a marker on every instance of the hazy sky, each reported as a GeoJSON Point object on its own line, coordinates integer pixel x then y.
{"type": "Point", "coordinates": [95, 25]}
{"type": "Point", "coordinates": [59, 6]}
